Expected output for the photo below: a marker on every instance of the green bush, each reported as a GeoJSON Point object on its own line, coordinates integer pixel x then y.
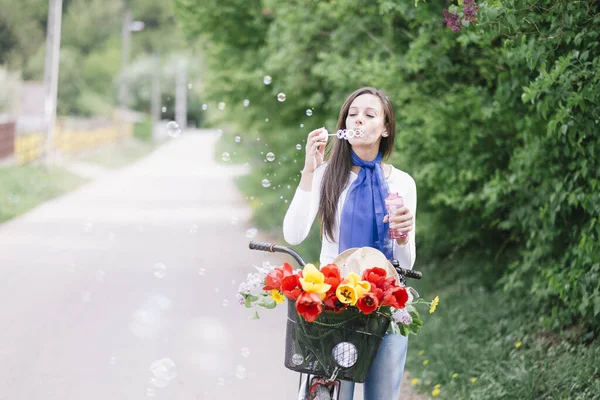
{"type": "Point", "coordinates": [498, 123]}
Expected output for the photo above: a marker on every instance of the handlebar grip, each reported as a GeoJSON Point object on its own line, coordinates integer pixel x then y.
{"type": "Point", "coordinates": [409, 273]}
{"type": "Point", "coordinates": [262, 246]}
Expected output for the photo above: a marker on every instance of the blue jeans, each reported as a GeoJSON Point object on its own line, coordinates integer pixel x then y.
{"type": "Point", "coordinates": [385, 375]}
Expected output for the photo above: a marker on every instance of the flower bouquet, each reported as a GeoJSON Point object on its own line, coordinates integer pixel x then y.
{"type": "Point", "coordinates": [335, 324]}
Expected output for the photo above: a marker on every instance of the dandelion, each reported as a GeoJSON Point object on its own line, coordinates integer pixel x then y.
{"type": "Point", "coordinates": [435, 392]}
{"type": "Point", "coordinates": [437, 386]}
{"type": "Point", "coordinates": [434, 304]}
{"type": "Point", "coordinates": [454, 375]}
{"type": "Point", "coordinates": [414, 381]}
{"type": "Point", "coordinates": [425, 362]}
{"type": "Point", "coordinates": [277, 296]}
{"type": "Point", "coordinates": [422, 352]}
{"type": "Point", "coordinates": [473, 380]}
{"type": "Point", "coordinates": [518, 344]}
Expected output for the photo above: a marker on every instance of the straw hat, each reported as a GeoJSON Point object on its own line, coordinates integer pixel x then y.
{"type": "Point", "coordinates": [359, 259]}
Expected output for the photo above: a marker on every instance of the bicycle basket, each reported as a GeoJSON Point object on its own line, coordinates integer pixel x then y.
{"type": "Point", "coordinates": [309, 346]}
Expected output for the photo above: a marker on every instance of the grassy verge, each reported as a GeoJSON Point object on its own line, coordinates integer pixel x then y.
{"type": "Point", "coordinates": [488, 345]}
{"type": "Point", "coordinates": [117, 155]}
{"type": "Point", "coordinates": [24, 187]}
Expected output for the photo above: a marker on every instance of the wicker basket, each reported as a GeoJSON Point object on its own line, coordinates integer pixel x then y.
{"type": "Point", "coordinates": [309, 346]}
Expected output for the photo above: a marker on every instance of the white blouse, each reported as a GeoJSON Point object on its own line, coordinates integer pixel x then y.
{"type": "Point", "coordinates": [304, 207]}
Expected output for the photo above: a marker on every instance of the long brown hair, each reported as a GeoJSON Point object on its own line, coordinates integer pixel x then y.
{"type": "Point", "coordinates": [340, 159]}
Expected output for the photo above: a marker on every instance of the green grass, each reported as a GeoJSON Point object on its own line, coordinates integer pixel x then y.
{"type": "Point", "coordinates": [497, 340]}
{"type": "Point", "coordinates": [117, 155]}
{"type": "Point", "coordinates": [24, 187]}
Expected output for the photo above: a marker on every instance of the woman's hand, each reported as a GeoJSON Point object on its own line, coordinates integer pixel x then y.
{"type": "Point", "coordinates": [402, 220]}
{"type": "Point", "coordinates": [315, 150]}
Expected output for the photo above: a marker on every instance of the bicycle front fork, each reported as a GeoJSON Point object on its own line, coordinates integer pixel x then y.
{"type": "Point", "coordinates": [316, 388]}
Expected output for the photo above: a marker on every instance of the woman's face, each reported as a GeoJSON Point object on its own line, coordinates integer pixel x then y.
{"type": "Point", "coordinates": [366, 113]}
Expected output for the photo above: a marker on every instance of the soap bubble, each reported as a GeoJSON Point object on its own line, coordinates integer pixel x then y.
{"type": "Point", "coordinates": [270, 157]}
{"type": "Point", "coordinates": [245, 352]}
{"type": "Point", "coordinates": [298, 146]}
{"type": "Point", "coordinates": [173, 129]}
{"type": "Point", "coordinates": [246, 102]}
{"type": "Point", "coordinates": [308, 112]}
{"type": "Point", "coordinates": [226, 156]}
{"type": "Point", "coordinates": [221, 105]}
{"type": "Point", "coordinates": [240, 372]}
{"type": "Point", "coordinates": [266, 183]}
{"type": "Point", "coordinates": [267, 80]}
{"type": "Point", "coordinates": [252, 232]}
{"type": "Point", "coordinates": [281, 97]}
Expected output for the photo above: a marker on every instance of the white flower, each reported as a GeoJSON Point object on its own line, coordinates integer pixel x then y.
{"type": "Point", "coordinates": [240, 299]}
{"type": "Point", "coordinates": [402, 316]}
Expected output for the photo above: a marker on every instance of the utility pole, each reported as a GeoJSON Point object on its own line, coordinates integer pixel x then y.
{"type": "Point", "coordinates": [51, 66]}
{"type": "Point", "coordinates": [181, 94]}
{"type": "Point", "coordinates": [156, 100]}
{"type": "Point", "coordinates": [125, 51]}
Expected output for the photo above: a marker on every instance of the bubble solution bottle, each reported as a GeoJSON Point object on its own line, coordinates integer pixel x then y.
{"type": "Point", "coordinates": [392, 202]}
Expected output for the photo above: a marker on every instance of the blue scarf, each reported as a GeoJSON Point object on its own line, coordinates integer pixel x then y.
{"type": "Point", "coordinates": [363, 212]}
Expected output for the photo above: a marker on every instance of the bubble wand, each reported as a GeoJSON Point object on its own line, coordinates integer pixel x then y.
{"type": "Point", "coordinates": [348, 133]}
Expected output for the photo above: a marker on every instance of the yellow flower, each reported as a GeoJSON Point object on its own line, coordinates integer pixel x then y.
{"type": "Point", "coordinates": [346, 294]}
{"type": "Point", "coordinates": [314, 281]}
{"type": "Point", "coordinates": [434, 304]}
{"type": "Point", "coordinates": [518, 344]}
{"type": "Point", "coordinates": [352, 289]}
{"type": "Point", "coordinates": [425, 362]}
{"type": "Point", "coordinates": [352, 279]}
{"type": "Point", "coordinates": [422, 352]}
{"type": "Point", "coordinates": [473, 380]}
{"type": "Point", "coordinates": [437, 386]}
{"type": "Point", "coordinates": [435, 392]}
{"type": "Point", "coordinates": [454, 375]}
{"type": "Point", "coordinates": [277, 296]}
{"type": "Point", "coordinates": [414, 381]}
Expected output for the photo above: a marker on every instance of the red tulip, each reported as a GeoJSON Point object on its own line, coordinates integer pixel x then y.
{"type": "Point", "coordinates": [273, 279]}
{"type": "Point", "coordinates": [291, 287]}
{"type": "Point", "coordinates": [376, 276]}
{"type": "Point", "coordinates": [309, 305]}
{"type": "Point", "coordinates": [395, 296]}
{"type": "Point", "coordinates": [332, 303]}
{"type": "Point", "coordinates": [367, 303]}
{"type": "Point", "coordinates": [332, 276]}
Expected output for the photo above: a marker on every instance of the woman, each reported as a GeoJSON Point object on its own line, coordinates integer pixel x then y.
{"type": "Point", "coordinates": [347, 192]}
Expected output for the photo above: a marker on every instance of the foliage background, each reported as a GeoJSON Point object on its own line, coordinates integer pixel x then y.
{"type": "Point", "coordinates": [90, 58]}
{"type": "Point", "coordinates": [497, 123]}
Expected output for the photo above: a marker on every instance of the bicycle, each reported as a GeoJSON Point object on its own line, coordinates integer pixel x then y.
{"type": "Point", "coordinates": [314, 383]}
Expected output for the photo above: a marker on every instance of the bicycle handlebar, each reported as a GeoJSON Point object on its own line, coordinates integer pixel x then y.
{"type": "Point", "coordinates": [273, 248]}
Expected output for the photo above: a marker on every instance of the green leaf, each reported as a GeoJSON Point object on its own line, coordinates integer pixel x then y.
{"type": "Point", "coordinates": [254, 316]}
{"type": "Point", "coordinates": [250, 301]}
{"type": "Point", "coordinates": [267, 304]}
{"type": "Point", "coordinates": [512, 20]}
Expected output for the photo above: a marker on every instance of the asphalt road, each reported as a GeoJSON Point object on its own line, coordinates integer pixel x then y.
{"type": "Point", "coordinates": [125, 289]}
